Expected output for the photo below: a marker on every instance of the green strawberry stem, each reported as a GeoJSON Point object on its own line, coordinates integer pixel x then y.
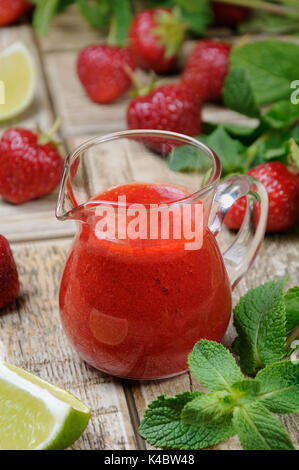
{"type": "Point", "coordinates": [45, 138]}
{"type": "Point", "coordinates": [111, 38]}
{"type": "Point", "coordinates": [170, 31]}
{"type": "Point", "coordinates": [290, 7]}
{"type": "Point", "coordinates": [141, 88]}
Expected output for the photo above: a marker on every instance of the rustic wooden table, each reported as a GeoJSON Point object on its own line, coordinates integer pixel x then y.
{"type": "Point", "coordinates": [31, 335]}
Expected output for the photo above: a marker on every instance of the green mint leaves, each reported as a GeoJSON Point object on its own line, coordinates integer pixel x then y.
{"type": "Point", "coordinates": [260, 319]}
{"type": "Point", "coordinates": [270, 62]}
{"type": "Point", "coordinates": [291, 300]}
{"type": "Point", "coordinates": [229, 151]}
{"type": "Point", "coordinates": [279, 390]}
{"type": "Point", "coordinates": [236, 404]}
{"type": "Point", "coordinates": [238, 93]}
{"type": "Point", "coordinates": [162, 425]}
{"type": "Point", "coordinates": [276, 137]}
{"type": "Point", "coordinates": [264, 318]}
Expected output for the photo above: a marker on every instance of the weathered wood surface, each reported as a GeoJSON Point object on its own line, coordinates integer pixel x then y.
{"type": "Point", "coordinates": [31, 337]}
{"type": "Point", "coordinates": [33, 322]}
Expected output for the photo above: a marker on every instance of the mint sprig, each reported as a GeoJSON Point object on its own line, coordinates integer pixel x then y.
{"type": "Point", "coordinates": [198, 420]}
{"type": "Point", "coordinates": [163, 427]}
{"type": "Point", "coordinates": [236, 404]}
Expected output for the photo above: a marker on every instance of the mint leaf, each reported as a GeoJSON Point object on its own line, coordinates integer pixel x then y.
{"type": "Point", "coordinates": [230, 151]}
{"type": "Point", "coordinates": [241, 131]}
{"type": "Point", "coordinates": [193, 6]}
{"type": "Point", "coordinates": [238, 93]}
{"type": "Point", "coordinates": [185, 158]}
{"type": "Point", "coordinates": [279, 390]}
{"type": "Point", "coordinates": [206, 407]}
{"type": "Point", "coordinates": [163, 427]}
{"type": "Point", "coordinates": [291, 300]}
{"type": "Point", "coordinates": [43, 14]}
{"type": "Point", "coordinates": [259, 319]}
{"type": "Point", "coordinates": [196, 14]}
{"type": "Point", "coordinates": [214, 366]}
{"type": "Point", "coordinates": [97, 13]}
{"type": "Point", "coordinates": [281, 115]}
{"type": "Point", "coordinates": [258, 429]}
{"type": "Point", "coordinates": [271, 67]}
{"type": "Point", "coordinates": [123, 18]}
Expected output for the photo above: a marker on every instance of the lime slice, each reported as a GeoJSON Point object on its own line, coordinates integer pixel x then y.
{"type": "Point", "coordinates": [35, 414]}
{"type": "Point", "coordinates": [17, 80]}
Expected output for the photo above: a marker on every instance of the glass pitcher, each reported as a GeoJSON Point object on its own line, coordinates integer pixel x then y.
{"type": "Point", "coordinates": [145, 278]}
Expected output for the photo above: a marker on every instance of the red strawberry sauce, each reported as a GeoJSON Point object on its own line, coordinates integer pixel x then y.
{"type": "Point", "coordinates": [136, 309]}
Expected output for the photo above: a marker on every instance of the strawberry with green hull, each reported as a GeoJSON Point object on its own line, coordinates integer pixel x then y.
{"type": "Point", "coordinates": [155, 38]}
{"type": "Point", "coordinates": [12, 10]}
{"type": "Point", "coordinates": [206, 69]}
{"type": "Point", "coordinates": [9, 280]}
{"type": "Point", "coordinates": [169, 108]}
{"type": "Point", "coordinates": [283, 191]}
{"type": "Point", "coordinates": [30, 165]}
{"type": "Point", "coordinates": [102, 71]}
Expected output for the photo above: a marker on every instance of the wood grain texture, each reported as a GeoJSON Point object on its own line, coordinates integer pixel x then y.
{"type": "Point", "coordinates": [30, 332]}
{"type": "Point", "coordinates": [31, 337]}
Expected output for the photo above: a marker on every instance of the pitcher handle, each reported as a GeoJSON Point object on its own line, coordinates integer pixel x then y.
{"type": "Point", "coordinates": [241, 254]}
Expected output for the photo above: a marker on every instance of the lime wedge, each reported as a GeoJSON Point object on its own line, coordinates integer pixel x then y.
{"type": "Point", "coordinates": [35, 414]}
{"type": "Point", "coordinates": [17, 80]}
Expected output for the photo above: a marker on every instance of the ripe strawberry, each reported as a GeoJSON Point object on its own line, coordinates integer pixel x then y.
{"type": "Point", "coordinates": [30, 165]}
{"type": "Point", "coordinates": [9, 280]}
{"type": "Point", "coordinates": [155, 37]}
{"type": "Point", "coordinates": [229, 15]}
{"type": "Point", "coordinates": [12, 10]}
{"type": "Point", "coordinates": [206, 69]}
{"type": "Point", "coordinates": [101, 70]}
{"type": "Point", "coordinates": [283, 191]}
{"type": "Point", "coordinates": [169, 108]}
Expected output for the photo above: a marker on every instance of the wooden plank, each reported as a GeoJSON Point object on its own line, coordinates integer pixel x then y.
{"type": "Point", "coordinates": [273, 262]}
{"type": "Point", "coordinates": [31, 337]}
{"type": "Point", "coordinates": [36, 219]}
